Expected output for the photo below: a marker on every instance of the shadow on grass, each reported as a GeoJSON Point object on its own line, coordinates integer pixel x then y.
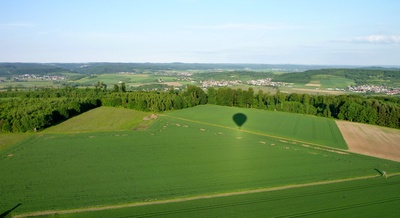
{"type": "Point", "coordinates": [380, 172]}
{"type": "Point", "coordinates": [239, 119]}
{"type": "Point", "coordinates": [4, 214]}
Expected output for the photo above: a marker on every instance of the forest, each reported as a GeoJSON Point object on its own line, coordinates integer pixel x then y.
{"type": "Point", "coordinates": [22, 111]}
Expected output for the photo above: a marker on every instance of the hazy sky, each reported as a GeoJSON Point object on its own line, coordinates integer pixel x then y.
{"type": "Point", "coordinates": [339, 32]}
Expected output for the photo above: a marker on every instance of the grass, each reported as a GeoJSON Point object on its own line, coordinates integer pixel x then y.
{"type": "Point", "coordinates": [173, 158]}
{"type": "Point", "coordinates": [329, 81]}
{"type": "Point", "coordinates": [334, 200]}
{"type": "Point", "coordinates": [306, 129]}
{"type": "Point", "coordinates": [103, 119]}
{"type": "Point", "coordinates": [8, 139]}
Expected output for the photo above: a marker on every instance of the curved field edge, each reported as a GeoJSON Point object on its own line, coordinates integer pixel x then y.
{"type": "Point", "coordinates": [103, 119]}
{"type": "Point", "coordinates": [288, 126]}
{"type": "Point", "coordinates": [209, 204]}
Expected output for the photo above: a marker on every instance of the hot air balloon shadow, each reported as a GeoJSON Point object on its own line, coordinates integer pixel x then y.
{"type": "Point", "coordinates": [239, 119]}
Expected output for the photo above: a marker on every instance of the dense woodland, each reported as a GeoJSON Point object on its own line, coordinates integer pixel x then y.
{"type": "Point", "coordinates": [22, 111]}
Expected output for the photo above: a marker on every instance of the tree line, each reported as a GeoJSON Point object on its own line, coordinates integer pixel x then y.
{"type": "Point", "coordinates": [22, 111]}
{"type": "Point", "coordinates": [382, 111]}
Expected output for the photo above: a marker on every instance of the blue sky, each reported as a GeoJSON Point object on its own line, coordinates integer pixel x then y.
{"type": "Point", "coordinates": [340, 32]}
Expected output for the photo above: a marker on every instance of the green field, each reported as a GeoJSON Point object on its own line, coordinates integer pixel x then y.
{"type": "Point", "coordinates": [8, 139]}
{"type": "Point", "coordinates": [327, 81]}
{"type": "Point", "coordinates": [192, 152]}
{"type": "Point", "coordinates": [285, 126]}
{"type": "Point", "coordinates": [112, 119]}
{"type": "Point", "coordinates": [333, 200]}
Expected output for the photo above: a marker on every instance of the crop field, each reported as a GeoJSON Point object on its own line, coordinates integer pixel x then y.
{"type": "Point", "coordinates": [181, 157]}
{"type": "Point", "coordinates": [334, 200]}
{"type": "Point", "coordinates": [336, 82]}
{"type": "Point", "coordinates": [305, 129]}
{"type": "Point", "coordinates": [8, 139]}
{"type": "Point", "coordinates": [112, 119]}
{"type": "Point", "coordinates": [328, 81]}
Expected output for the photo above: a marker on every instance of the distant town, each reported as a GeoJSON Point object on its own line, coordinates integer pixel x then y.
{"type": "Point", "coordinates": [374, 89]}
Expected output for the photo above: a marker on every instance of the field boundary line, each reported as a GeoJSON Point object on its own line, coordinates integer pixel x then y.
{"type": "Point", "coordinates": [198, 197]}
{"type": "Point", "coordinates": [259, 133]}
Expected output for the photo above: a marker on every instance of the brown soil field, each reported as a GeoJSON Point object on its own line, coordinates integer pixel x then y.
{"type": "Point", "coordinates": [371, 140]}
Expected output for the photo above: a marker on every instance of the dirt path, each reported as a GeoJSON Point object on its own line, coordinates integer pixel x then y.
{"type": "Point", "coordinates": [371, 140]}
{"type": "Point", "coordinates": [177, 200]}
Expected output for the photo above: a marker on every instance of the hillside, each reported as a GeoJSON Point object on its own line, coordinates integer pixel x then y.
{"type": "Point", "coordinates": [103, 119]}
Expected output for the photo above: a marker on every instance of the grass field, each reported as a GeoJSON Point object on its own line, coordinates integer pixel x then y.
{"type": "Point", "coordinates": [306, 129]}
{"type": "Point", "coordinates": [103, 119]}
{"type": "Point", "coordinates": [8, 139]}
{"type": "Point", "coordinates": [179, 157]}
{"type": "Point", "coordinates": [334, 200]}
{"type": "Point", "coordinates": [328, 81]}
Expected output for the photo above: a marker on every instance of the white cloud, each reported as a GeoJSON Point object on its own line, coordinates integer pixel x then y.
{"type": "Point", "coordinates": [375, 39]}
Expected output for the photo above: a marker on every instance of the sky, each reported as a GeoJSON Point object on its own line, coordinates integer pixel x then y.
{"type": "Point", "coordinates": [328, 32]}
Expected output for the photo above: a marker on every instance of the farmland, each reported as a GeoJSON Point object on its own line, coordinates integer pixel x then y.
{"type": "Point", "coordinates": [193, 152]}
{"type": "Point", "coordinates": [281, 125]}
{"type": "Point", "coordinates": [334, 200]}
{"type": "Point", "coordinates": [114, 119]}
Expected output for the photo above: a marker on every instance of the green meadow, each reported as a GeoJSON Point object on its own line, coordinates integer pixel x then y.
{"type": "Point", "coordinates": [284, 126]}
{"type": "Point", "coordinates": [103, 119]}
{"type": "Point", "coordinates": [332, 200]}
{"type": "Point", "coordinates": [198, 151]}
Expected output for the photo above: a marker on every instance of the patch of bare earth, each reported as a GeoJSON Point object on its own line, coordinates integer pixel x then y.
{"type": "Point", "coordinates": [371, 140]}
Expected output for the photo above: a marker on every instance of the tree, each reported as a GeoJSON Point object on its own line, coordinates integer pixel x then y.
{"type": "Point", "coordinates": [123, 87]}
{"type": "Point", "coordinates": [212, 95]}
{"type": "Point", "coordinates": [116, 88]}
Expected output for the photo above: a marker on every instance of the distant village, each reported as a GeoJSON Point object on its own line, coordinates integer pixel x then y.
{"type": "Point", "coordinates": [374, 89]}
{"type": "Point", "coordinates": [259, 82]}
{"type": "Point", "coordinates": [32, 76]}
